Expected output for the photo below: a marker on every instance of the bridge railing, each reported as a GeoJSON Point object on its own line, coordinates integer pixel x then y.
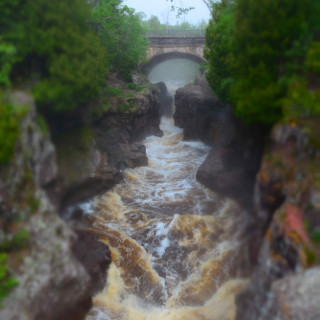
{"type": "Point", "coordinates": [175, 33]}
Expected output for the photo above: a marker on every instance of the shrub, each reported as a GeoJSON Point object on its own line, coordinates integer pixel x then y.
{"type": "Point", "coordinates": [218, 48]}
{"type": "Point", "coordinates": [121, 33]}
{"type": "Point", "coordinates": [7, 282]}
{"type": "Point", "coordinates": [10, 117]}
{"type": "Point", "coordinates": [56, 51]}
{"type": "Point", "coordinates": [16, 242]}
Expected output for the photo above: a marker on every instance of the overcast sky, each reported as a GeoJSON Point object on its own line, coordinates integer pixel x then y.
{"type": "Point", "coordinates": [160, 7]}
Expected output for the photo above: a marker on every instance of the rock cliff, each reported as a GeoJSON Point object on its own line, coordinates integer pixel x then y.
{"type": "Point", "coordinates": [285, 238]}
{"type": "Point", "coordinates": [50, 282]}
{"type": "Point", "coordinates": [274, 175]}
{"type": "Point", "coordinates": [234, 160]}
{"type": "Point", "coordinates": [91, 157]}
{"type": "Point", "coordinates": [57, 268]}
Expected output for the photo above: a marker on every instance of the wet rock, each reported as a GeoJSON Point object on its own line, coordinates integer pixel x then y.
{"type": "Point", "coordinates": [283, 176]}
{"type": "Point", "coordinates": [279, 256]}
{"type": "Point", "coordinates": [52, 285]}
{"type": "Point", "coordinates": [281, 245]}
{"type": "Point", "coordinates": [234, 160]}
{"type": "Point", "coordinates": [196, 111]}
{"type": "Point", "coordinates": [34, 143]}
{"type": "Point", "coordinates": [91, 158]}
{"type": "Point", "coordinates": [94, 255]}
{"type": "Point", "coordinates": [231, 166]}
{"type": "Point", "coordinates": [165, 99]}
{"type": "Point", "coordinates": [296, 297]}
{"type": "Point", "coordinates": [231, 180]}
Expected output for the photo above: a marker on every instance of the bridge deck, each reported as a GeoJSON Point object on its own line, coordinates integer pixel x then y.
{"type": "Point", "coordinates": [176, 34]}
{"type": "Point", "coordinates": [167, 42]}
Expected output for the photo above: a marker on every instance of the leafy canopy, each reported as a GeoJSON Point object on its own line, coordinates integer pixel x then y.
{"type": "Point", "coordinates": [256, 50]}
{"type": "Point", "coordinates": [55, 52]}
{"type": "Point", "coordinates": [121, 33]}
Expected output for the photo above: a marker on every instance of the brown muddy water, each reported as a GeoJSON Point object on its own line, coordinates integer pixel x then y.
{"type": "Point", "coordinates": [174, 244]}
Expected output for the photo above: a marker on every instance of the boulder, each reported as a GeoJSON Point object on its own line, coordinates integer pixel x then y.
{"type": "Point", "coordinates": [232, 164]}
{"type": "Point", "coordinates": [52, 284]}
{"type": "Point", "coordinates": [165, 99]}
{"type": "Point", "coordinates": [281, 245]}
{"type": "Point", "coordinates": [91, 158]}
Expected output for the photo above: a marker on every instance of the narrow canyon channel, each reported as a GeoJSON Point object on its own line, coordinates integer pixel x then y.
{"type": "Point", "coordinates": [175, 245]}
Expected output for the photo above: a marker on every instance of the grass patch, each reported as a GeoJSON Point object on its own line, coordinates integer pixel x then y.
{"type": "Point", "coordinates": [137, 87]}
{"type": "Point", "coordinates": [42, 124]}
{"type": "Point", "coordinates": [10, 117]}
{"type": "Point", "coordinates": [315, 236]}
{"type": "Point", "coordinates": [7, 282]}
{"type": "Point", "coordinates": [127, 106]}
{"type": "Point", "coordinates": [16, 242]}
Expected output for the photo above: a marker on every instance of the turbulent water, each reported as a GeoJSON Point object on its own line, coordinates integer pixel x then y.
{"type": "Point", "coordinates": [174, 244]}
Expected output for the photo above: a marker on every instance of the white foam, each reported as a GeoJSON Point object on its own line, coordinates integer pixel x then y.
{"type": "Point", "coordinates": [87, 207]}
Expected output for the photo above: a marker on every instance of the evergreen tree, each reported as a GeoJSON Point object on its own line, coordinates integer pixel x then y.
{"type": "Point", "coordinates": [218, 48]}
{"type": "Point", "coordinates": [56, 53]}
{"type": "Point", "coordinates": [121, 32]}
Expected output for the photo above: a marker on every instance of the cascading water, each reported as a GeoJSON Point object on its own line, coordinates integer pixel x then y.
{"type": "Point", "coordinates": [174, 244]}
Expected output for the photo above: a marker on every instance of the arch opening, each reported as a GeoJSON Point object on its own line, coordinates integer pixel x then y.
{"type": "Point", "coordinates": [175, 72]}
{"type": "Point", "coordinates": [159, 58]}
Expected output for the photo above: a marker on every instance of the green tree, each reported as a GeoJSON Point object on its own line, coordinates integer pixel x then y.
{"type": "Point", "coordinates": [7, 59]}
{"type": "Point", "coordinates": [10, 117]}
{"type": "Point", "coordinates": [256, 49]}
{"type": "Point", "coordinates": [269, 39]}
{"type": "Point", "coordinates": [121, 32]}
{"type": "Point", "coordinates": [153, 24]}
{"type": "Point", "coordinates": [218, 48]}
{"type": "Point", "coordinates": [57, 54]}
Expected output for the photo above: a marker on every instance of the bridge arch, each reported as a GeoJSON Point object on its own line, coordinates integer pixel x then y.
{"type": "Point", "coordinates": [161, 57]}
{"type": "Point", "coordinates": [163, 47]}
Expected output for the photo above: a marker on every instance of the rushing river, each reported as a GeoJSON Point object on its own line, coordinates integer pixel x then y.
{"type": "Point", "coordinates": [174, 244]}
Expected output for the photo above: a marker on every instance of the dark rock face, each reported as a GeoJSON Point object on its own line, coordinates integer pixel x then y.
{"type": "Point", "coordinates": [285, 199]}
{"type": "Point", "coordinates": [279, 256]}
{"type": "Point", "coordinates": [295, 297]}
{"type": "Point", "coordinates": [63, 269]}
{"type": "Point", "coordinates": [165, 99]}
{"type": "Point", "coordinates": [198, 113]}
{"type": "Point", "coordinates": [53, 285]}
{"type": "Point", "coordinates": [230, 170]}
{"type": "Point", "coordinates": [118, 133]}
{"type": "Point", "coordinates": [94, 256]}
{"type": "Point", "coordinates": [234, 160]}
{"type": "Point", "coordinates": [91, 159]}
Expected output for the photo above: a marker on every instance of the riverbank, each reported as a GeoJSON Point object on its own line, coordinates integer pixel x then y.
{"type": "Point", "coordinates": [274, 179]}
{"type": "Point", "coordinates": [56, 268]}
{"type": "Point", "coordinates": [275, 176]}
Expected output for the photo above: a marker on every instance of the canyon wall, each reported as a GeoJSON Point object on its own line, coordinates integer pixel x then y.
{"type": "Point", "coordinates": [275, 176]}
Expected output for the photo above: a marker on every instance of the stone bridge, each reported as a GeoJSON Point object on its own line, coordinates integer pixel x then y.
{"type": "Point", "coordinates": [164, 46]}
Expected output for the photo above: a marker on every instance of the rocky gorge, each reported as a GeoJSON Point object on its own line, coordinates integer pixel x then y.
{"type": "Point", "coordinates": [57, 262]}
{"type": "Point", "coordinates": [272, 175]}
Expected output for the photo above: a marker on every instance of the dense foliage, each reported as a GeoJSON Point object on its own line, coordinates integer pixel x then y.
{"type": "Point", "coordinates": [121, 33]}
{"type": "Point", "coordinates": [10, 117]}
{"type": "Point", "coordinates": [153, 24]}
{"type": "Point", "coordinates": [269, 40]}
{"type": "Point", "coordinates": [64, 49]}
{"type": "Point", "coordinates": [61, 51]}
{"type": "Point", "coordinates": [7, 282]}
{"type": "Point", "coordinates": [218, 51]}
{"type": "Point", "coordinates": [56, 51]}
{"type": "Point", "coordinates": [258, 50]}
